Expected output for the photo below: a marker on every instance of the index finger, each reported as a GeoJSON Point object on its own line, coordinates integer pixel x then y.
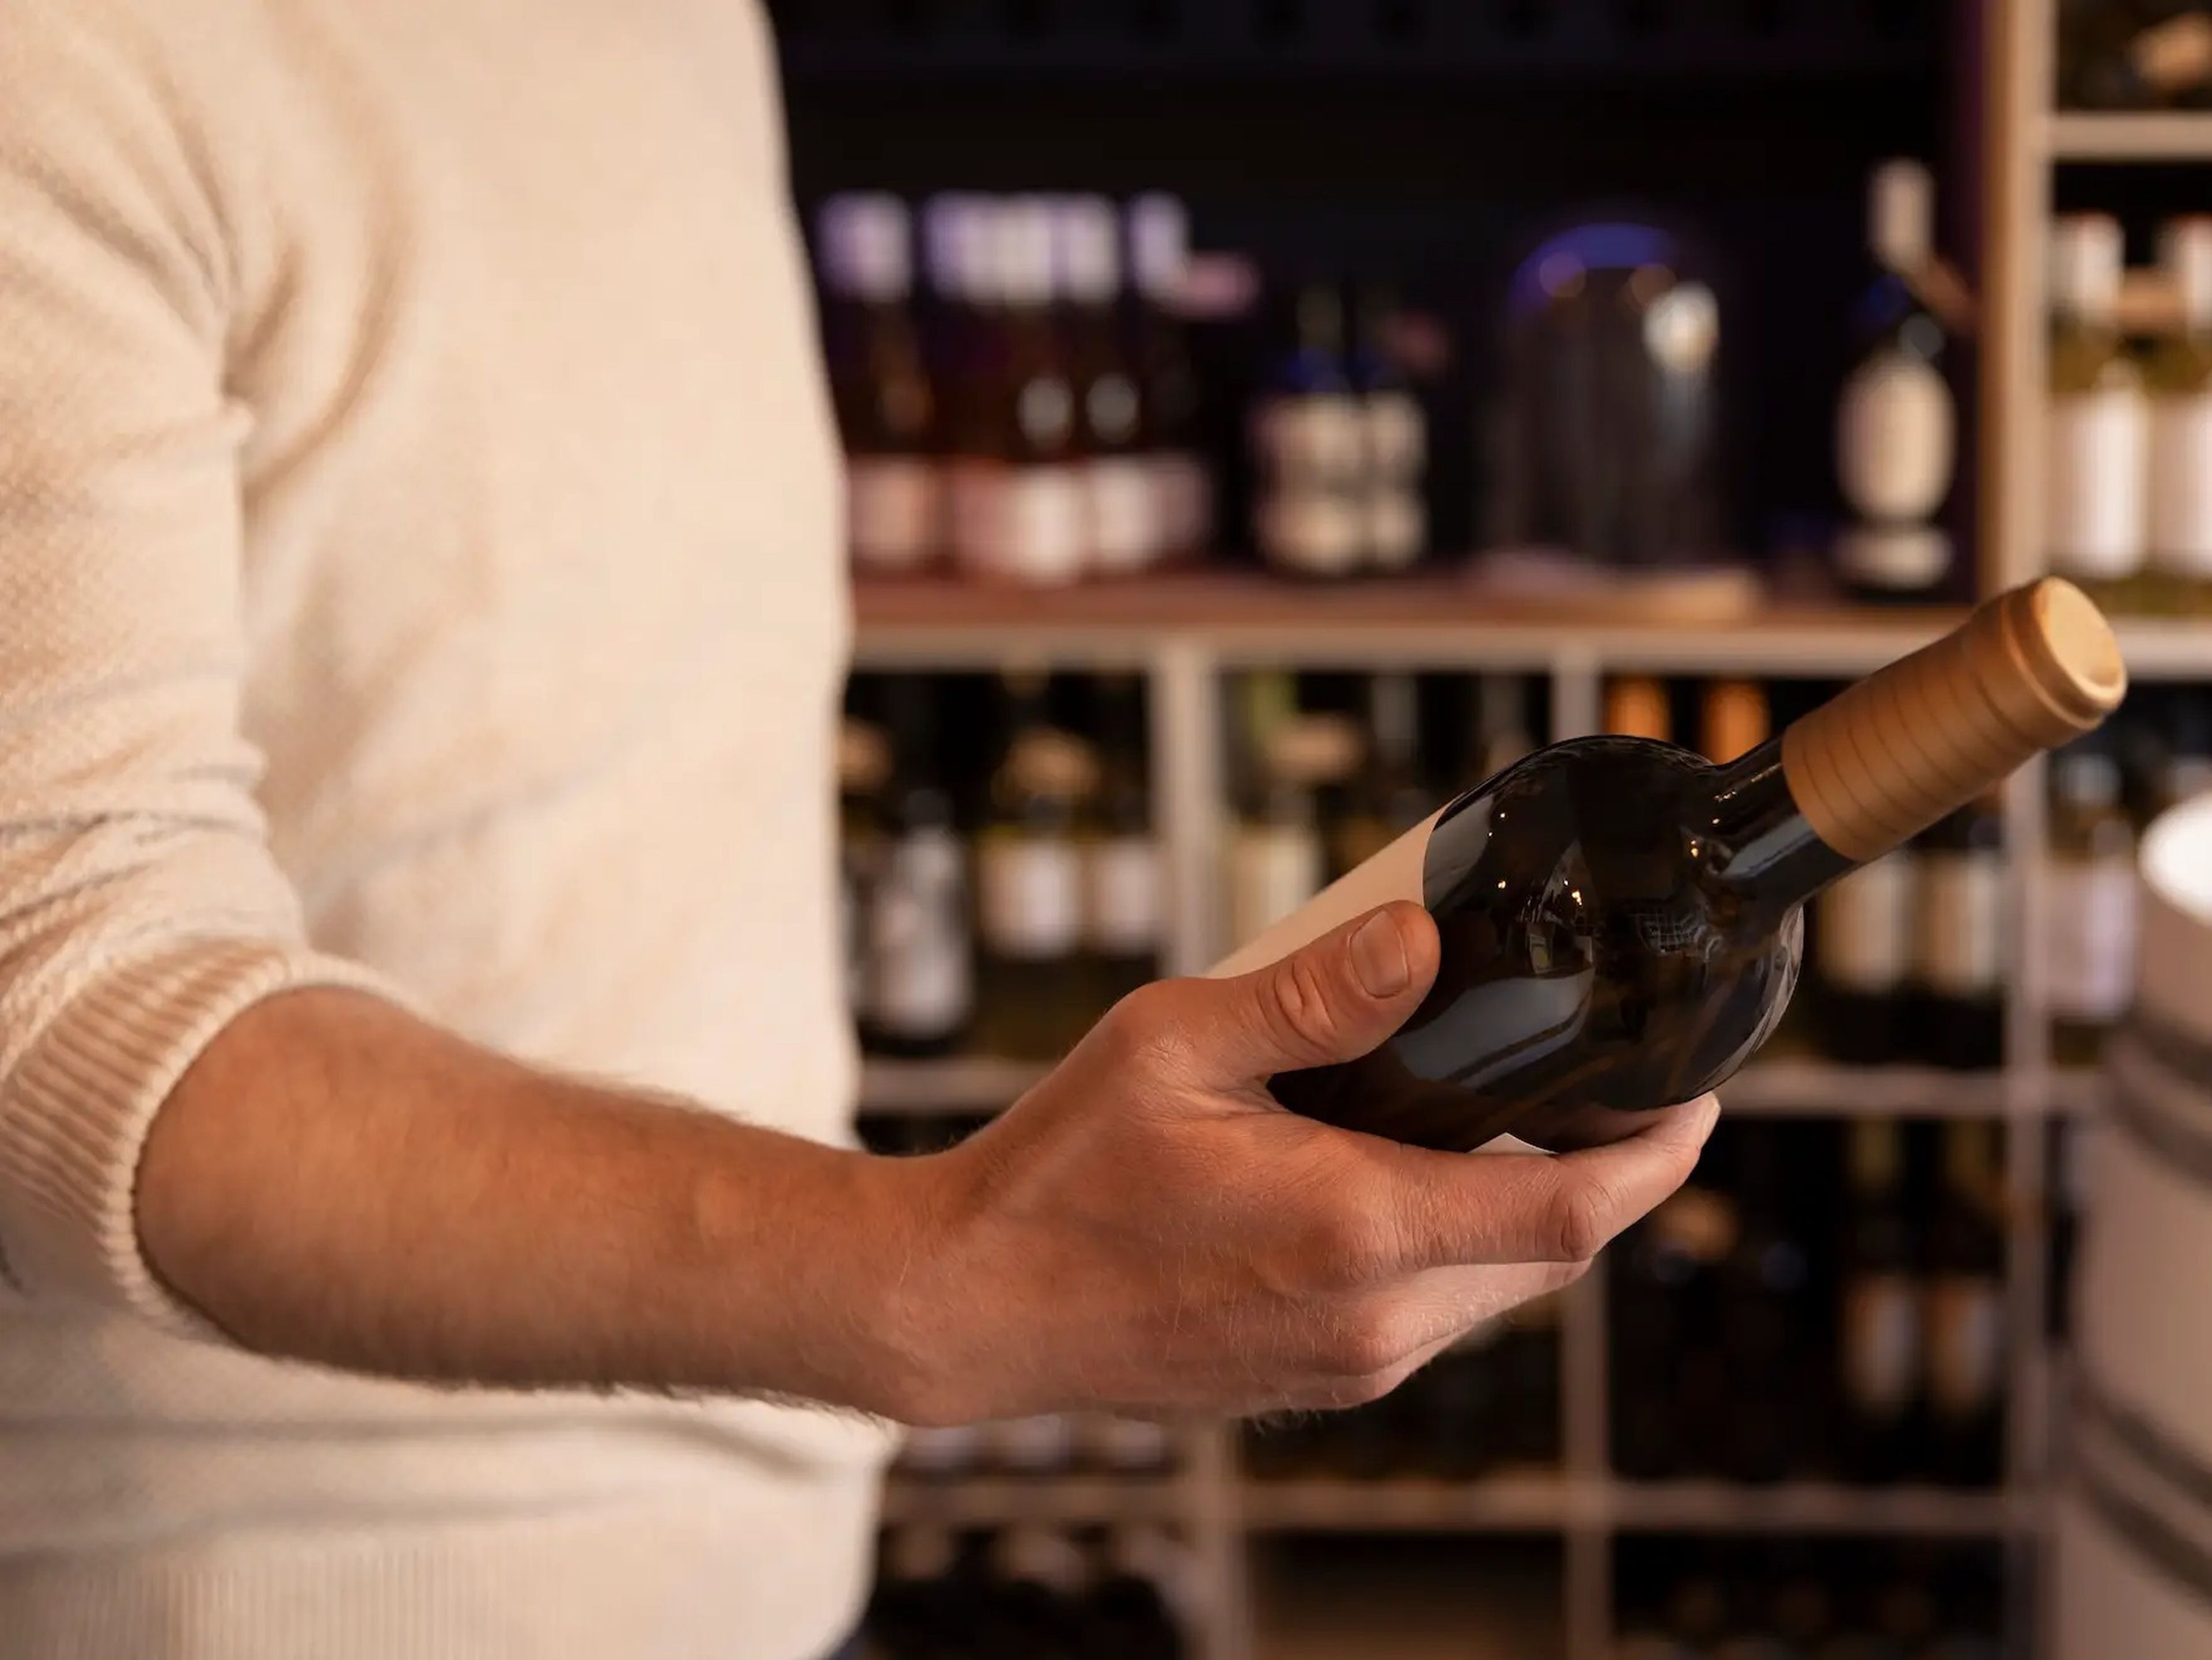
{"type": "Point", "coordinates": [1451, 1208]}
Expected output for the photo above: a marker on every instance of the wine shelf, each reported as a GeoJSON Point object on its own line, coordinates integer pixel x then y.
{"type": "Point", "coordinates": [2147, 136]}
{"type": "Point", "coordinates": [1066, 1501]}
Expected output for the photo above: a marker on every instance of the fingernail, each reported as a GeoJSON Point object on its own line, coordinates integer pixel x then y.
{"type": "Point", "coordinates": [1379, 956]}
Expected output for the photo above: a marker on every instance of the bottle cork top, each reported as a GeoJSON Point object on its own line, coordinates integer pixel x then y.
{"type": "Point", "coordinates": [1887, 757]}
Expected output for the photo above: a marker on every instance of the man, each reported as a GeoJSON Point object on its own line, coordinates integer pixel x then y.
{"type": "Point", "coordinates": [420, 621]}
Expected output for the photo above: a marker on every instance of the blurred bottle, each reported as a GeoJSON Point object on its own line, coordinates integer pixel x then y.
{"type": "Point", "coordinates": [1394, 440]}
{"type": "Point", "coordinates": [1277, 858]}
{"type": "Point", "coordinates": [1168, 397]}
{"type": "Point", "coordinates": [1763, 1308]}
{"type": "Point", "coordinates": [1122, 532]}
{"type": "Point", "coordinates": [1015, 488]}
{"type": "Point", "coordinates": [1665, 1282]}
{"type": "Point", "coordinates": [1862, 956]}
{"type": "Point", "coordinates": [1964, 1311]}
{"type": "Point", "coordinates": [1500, 730]}
{"type": "Point", "coordinates": [2098, 427]}
{"type": "Point", "coordinates": [1040, 1443]}
{"type": "Point", "coordinates": [1958, 941]}
{"type": "Point", "coordinates": [1122, 907]}
{"type": "Point", "coordinates": [2185, 771]}
{"type": "Point", "coordinates": [2134, 54]}
{"type": "Point", "coordinates": [2178, 577]}
{"type": "Point", "coordinates": [1144, 1596]}
{"type": "Point", "coordinates": [916, 1613]}
{"type": "Point", "coordinates": [1637, 705]}
{"type": "Point", "coordinates": [919, 994]}
{"type": "Point", "coordinates": [1896, 425]}
{"type": "Point", "coordinates": [1526, 1358]}
{"type": "Point", "coordinates": [2090, 925]}
{"type": "Point", "coordinates": [864, 766]}
{"type": "Point", "coordinates": [1879, 1345]}
{"type": "Point", "coordinates": [1124, 1446]}
{"type": "Point", "coordinates": [886, 410]}
{"type": "Point", "coordinates": [1387, 798]}
{"type": "Point", "coordinates": [1041, 1580]}
{"type": "Point", "coordinates": [1309, 451]}
{"type": "Point", "coordinates": [1736, 720]}
{"type": "Point", "coordinates": [1033, 1000]}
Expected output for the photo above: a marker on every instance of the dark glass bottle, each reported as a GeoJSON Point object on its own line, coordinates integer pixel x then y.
{"type": "Point", "coordinates": [920, 991]}
{"type": "Point", "coordinates": [1763, 1299]}
{"type": "Point", "coordinates": [1307, 443]}
{"type": "Point", "coordinates": [1878, 1346]}
{"type": "Point", "coordinates": [1123, 907]}
{"type": "Point", "coordinates": [1387, 798]}
{"type": "Point", "coordinates": [1168, 386]}
{"type": "Point", "coordinates": [1964, 1311]}
{"type": "Point", "coordinates": [1959, 948]}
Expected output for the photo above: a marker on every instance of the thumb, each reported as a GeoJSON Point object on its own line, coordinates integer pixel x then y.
{"type": "Point", "coordinates": [1334, 999]}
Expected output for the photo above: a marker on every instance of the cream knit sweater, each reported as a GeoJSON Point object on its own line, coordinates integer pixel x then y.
{"type": "Point", "coordinates": [418, 568]}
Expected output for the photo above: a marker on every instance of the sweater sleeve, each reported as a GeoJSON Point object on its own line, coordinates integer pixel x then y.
{"type": "Point", "coordinates": [140, 907]}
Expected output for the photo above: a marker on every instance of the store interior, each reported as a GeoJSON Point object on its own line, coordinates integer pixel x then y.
{"type": "Point", "coordinates": [1266, 419]}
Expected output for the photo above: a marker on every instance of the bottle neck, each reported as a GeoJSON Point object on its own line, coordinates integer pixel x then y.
{"type": "Point", "coordinates": [1774, 854]}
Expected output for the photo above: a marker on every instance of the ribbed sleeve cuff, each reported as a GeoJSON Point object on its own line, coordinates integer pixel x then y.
{"type": "Point", "coordinates": [74, 1118]}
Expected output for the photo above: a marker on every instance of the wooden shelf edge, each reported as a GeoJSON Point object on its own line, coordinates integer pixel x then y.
{"type": "Point", "coordinates": [1074, 1501]}
{"type": "Point", "coordinates": [2129, 136]}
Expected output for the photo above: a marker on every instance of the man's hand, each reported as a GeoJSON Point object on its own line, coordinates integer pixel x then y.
{"type": "Point", "coordinates": [1146, 1229]}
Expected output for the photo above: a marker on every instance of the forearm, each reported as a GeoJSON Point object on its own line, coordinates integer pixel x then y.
{"type": "Point", "coordinates": [336, 1181]}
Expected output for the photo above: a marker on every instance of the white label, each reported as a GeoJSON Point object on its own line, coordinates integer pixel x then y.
{"type": "Point", "coordinates": [918, 984]}
{"type": "Point", "coordinates": [1017, 524]}
{"type": "Point", "coordinates": [1122, 509]}
{"type": "Point", "coordinates": [1122, 896]}
{"type": "Point", "coordinates": [1183, 493]}
{"type": "Point", "coordinates": [1966, 1342]}
{"type": "Point", "coordinates": [2095, 479]}
{"type": "Point", "coordinates": [2092, 937]}
{"type": "Point", "coordinates": [893, 511]}
{"type": "Point", "coordinates": [1896, 440]}
{"type": "Point", "coordinates": [1397, 528]}
{"type": "Point", "coordinates": [1273, 869]}
{"type": "Point", "coordinates": [1881, 1343]}
{"type": "Point", "coordinates": [1863, 927]}
{"type": "Point", "coordinates": [2180, 531]}
{"type": "Point", "coordinates": [1896, 558]}
{"type": "Point", "coordinates": [1029, 894]}
{"type": "Point", "coordinates": [1397, 437]}
{"type": "Point", "coordinates": [1959, 948]}
{"type": "Point", "coordinates": [1310, 442]}
{"type": "Point", "coordinates": [1311, 533]}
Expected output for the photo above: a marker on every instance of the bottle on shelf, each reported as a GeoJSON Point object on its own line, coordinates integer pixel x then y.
{"type": "Point", "coordinates": [1500, 729]}
{"type": "Point", "coordinates": [920, 993]}
{"type": "Point", "coordinates": [1637, 705]}
{"type": "Point", "coordinates": [880, 385]}
{"type": "Point", "coordinates": [1387, 798]}
{"type": "Point", "coordinates": [2098, 427]}
{"type": "Point", "coordinates": [2090, 880]}
{"type": "Point", "coordinates": [1014, 484]}
{"type": "Point", "coordinates": [1040, 1444]}
{"type": "Point", "coordinates": [2121, 54]}
{"type": "Point", "coordinates": [1879, 1362]}
{"type": "Point", "coordinates": [916, 1609]}
{"type": "Point", "coordinates": [1168, 387]}
{"type": "Point", "coordinates": [1734, 718]}
{"type": "Point", "coordinates": [1959, 939]}
{"type": "Point", "coordinates": [1394, 441]}
{"type": "Point", "coordinates": [1665, 1290]}
{"type": "Point", "coordinates": [1143, 1599]}
{"type": "Point", "coordinates": [1863, 930]}
{"type": "Point", "coordinates": [1620, 920]}
{"type": "Point", "coordinates": [1123, 533]}
{"type": "Point", "coordinates": [1763, 1317]}
{"type": "Point", "coordinates": [1040, 1581]}
{"type": "Point", "coordinates": [1278, 858]}
{"type": "Point", "coordinates": [1964, 1311]}
{"type": "Point", "coordinates": [1896, 424]}
{"type": "Point", "coordinates": [1123, 910]}
{"type": "Point", "coordinates": [2178, 575]}
{"type": "Point", "coordinates": [1124, 1446]}
{"type": "Point", "coordinates": [1034, 996]}
{"type": "Point", "coordinates": [1309, 451]}
{"type": "Point", "coordinates": [864, 766]}
{"type": "Point", "coordinates": [2185, 771]}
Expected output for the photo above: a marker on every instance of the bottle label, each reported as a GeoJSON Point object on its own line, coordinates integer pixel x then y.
{"type": "Point", "coordinates": [1029, 894]}
{"type": "Point", "coordinates": [1895, 438]}
{"type": "Point", "coordinates": [892, 511]}
{"type": "Point", "coordinates": [2094, 477]}
{"type": "Point", "coordinates": [1017, 524]}
{"type": "Point", "coordinates": [1122, 898]}
{"type": "Point", "coordinates": [1881, 1343]}
{"type": "Point", "coordinates": [1183, 493]}
{"type": "Point", "coordinates": [2092, 937]}
{"type": "Point", "coordinates": [1311, 533]}
{"type": "Point", "coordinates": [1123, 509]}
{"type": "Point", "coordinates": [1958, 947]}
{"type": "Point", "coordinates": [1864, 928]}
{"type": "Point", "coordinates": [1965, 1343]}
{"type": "Point", "coordinates": [1274, 870]}
{"type": "Point", "coordinates": [2180, 530]}
{"type": "Point", "coordinates": [1310, 442]}
{"type": "Point", "coordinates": [1396, 529]}
{"type": "Point", "coordinates": [1397, 437]}
{"type": "Point", "coordinates": [1893, 558]}
{"type": "Point", "coordinates": [917, 982]}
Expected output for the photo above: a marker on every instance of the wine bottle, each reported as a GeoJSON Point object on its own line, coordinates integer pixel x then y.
{"type": "Point", "coordinates": [1666, 1284]}
{"type": "Point", "coordinates": [1014, 488]}
{"type": "Point", "coordinates": [2091, 881]}
{"type": "Point", "coordinates": [1965, 1313]}
{"type": "Point", "coordinates": [1307, 451]}
{"type": "Point", "coordinates": [864, 765]}
{"type": "Point", "coordinates": [1123, 908]}
{"type": "Point", "coordinates": [1960, 939]}
{"type": "Point", "coordinates": [1896, 428]}
{"type": "Point", "coordinates": [1637, 705]}
{"type": "Point", "coordinates": [1143, 1594]}
{"type": "Point", "coordinates": [2179, 574]}
{"type": "Point", "coordinates": [921, 988]}
{"type": "Point", "coordinates": [886, 410]}
{"type": "Point", "coordinates": [1387, 799]}
{"type": "Point", "coordinates": [2123, 54]}
{"type": "Point", "coordinates": [2098, 431]}
{"type": "Point", "coordinates": [1878, 1348]}
{"type": "Point", "coordinates": [1619, 918]}
{"type": "Point", "coordinates": [1763, 1295]}
{"type": "Point", "coordinates": [1121, 533]}
{"type": "Point", "coordinates": [1394, 441]}
{"type": "Point", "coordinates": [1499, 732]}
{"type": "Point", "coordinates": [1279, 860]}
{"type": "Point", "coordinates": [2186, 770]}
{"type": "Point", "coordinates": [1033, 1001]}
{"type": "Point", "coordinates": [1863, 950]}
{"type": "Point", "coordinates": [1168, 395]}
